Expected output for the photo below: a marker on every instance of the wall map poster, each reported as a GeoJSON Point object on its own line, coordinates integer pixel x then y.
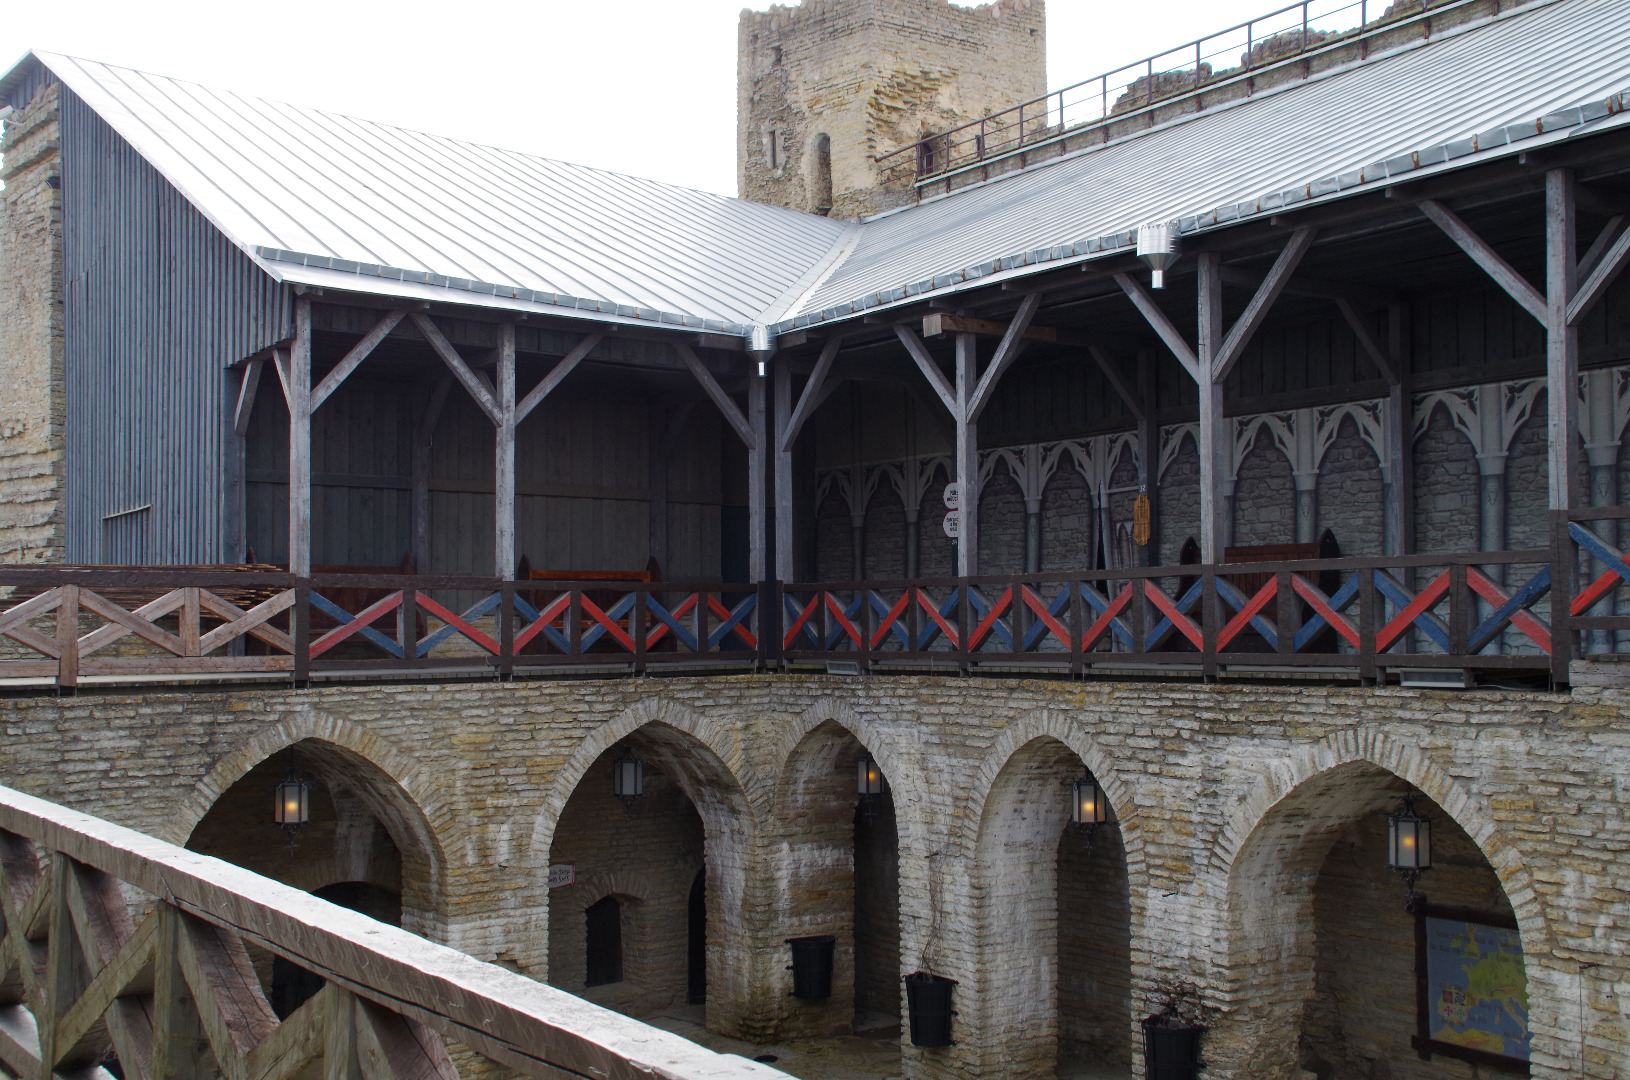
{"type": "Point", "coordinates": [1476, 990]}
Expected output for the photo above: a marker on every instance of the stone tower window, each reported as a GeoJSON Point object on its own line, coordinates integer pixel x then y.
{"type": "Point", "coordinates": [821, 175]}
{"type": "Point", "coordinates": [605, 942]}
{"type": "Point", "coordinates": [774, 152]}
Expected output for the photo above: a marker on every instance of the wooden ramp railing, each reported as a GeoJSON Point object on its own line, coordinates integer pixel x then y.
{"type": "Point", "coordinates": [155, 983]}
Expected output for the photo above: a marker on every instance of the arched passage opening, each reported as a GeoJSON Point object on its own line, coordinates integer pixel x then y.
{"type": "Point", "coordinates": [842, 879]}
{"type": "Point", "coordinates": [1057, 912]}
{"type": "Point", "coordinates": [366, 846]}
{"type": "Point", "coordinates": [648, 886]}
{"type": "Point", "coordinates": [1332, 970]}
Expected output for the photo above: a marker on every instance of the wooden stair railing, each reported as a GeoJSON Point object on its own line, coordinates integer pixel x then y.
{"type": "Point", "coordinates": [167, 989]}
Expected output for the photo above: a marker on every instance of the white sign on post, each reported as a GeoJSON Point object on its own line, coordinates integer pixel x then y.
{"type": "Point", "coordinates": [562, 875]}
{"type": "Point", "coordinates": [953, 495]}
{"type": "Point", "coordinates": [953, 524]}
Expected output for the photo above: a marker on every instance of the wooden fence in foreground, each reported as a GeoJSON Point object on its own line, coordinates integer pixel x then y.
{"type": "Point", "coordinates": [155, 983]}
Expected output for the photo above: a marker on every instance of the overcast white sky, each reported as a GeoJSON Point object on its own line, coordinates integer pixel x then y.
{"type": "Point", "coordinates": [640, 86]}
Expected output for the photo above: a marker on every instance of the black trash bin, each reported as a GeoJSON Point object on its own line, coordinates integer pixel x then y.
{"type": "Point", "coordinates": [928, 1000]}
{"type": "Point", "coordinates": [812, 966]}
{"type": "Point", "coordinates": [1171, 1048]}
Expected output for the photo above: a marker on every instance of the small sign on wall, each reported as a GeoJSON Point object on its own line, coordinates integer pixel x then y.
{"type": "Point", "coordinates": [953, 495]}
{"type": "Point", "coordinates": [953, 523]}
{"type": "Point", "coordinates": [562, 875]}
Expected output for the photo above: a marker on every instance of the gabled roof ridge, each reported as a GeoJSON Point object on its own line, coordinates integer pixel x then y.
{"type": "Point", "coordinates": [45, 57]}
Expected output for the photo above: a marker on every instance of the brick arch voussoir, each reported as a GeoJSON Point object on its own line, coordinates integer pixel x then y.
{"type": "Point", "coordinates": [1061, 727]}
{"type": "Point", "coordinates": [900, 765]}
{"type": "Point", "coordinates": [421, 796]}
{"type": "Point", "coordinates": [625, 884]}
{"type": "Point", "coordinates": [715, 737]}
{"type": "Point", "coordinates": [1285, 776]}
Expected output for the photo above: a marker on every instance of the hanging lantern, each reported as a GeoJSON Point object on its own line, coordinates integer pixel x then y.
{"type": "Point", "coordinates": [628, 778]}
{"type": "Point", "coordinates": [1409, 843]}
{"type": "Point", "coordinates": [292, 810]}
{"type": "Point", "coordinates": [293, 807]}
{"type": "Point", "coordinates": [1087, 803]}
{"type": "Point", "coordinates": [868, 777]}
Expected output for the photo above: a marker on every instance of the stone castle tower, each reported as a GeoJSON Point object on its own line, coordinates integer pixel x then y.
{"type": "Point", "coordinates": [826, 88]}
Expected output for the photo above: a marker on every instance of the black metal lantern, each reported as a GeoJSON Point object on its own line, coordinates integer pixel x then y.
{"type": "Point", "coordinates": [1087, 803]}
{"type": "Point", "coordinates": [869, 786]}
{"type": "Point", "coordinates": [628, 778]}
{"type": "Point", "coordinates": [868, 777]}
{"type": "Point", "coordinates": [1409, 843]}
{"type": "Point", "coordinates": [292, 809]}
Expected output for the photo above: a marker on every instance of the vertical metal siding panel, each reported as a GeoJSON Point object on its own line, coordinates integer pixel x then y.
{"type": "Point", "coordinates": [159, 304]}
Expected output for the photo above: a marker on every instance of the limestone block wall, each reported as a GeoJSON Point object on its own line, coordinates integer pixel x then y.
{"type": "Point", "coordinates": [31, 333]}
{"type": "Point", "coordinates": [1242, 812]}
{"type": "Point", "coordinates": [871, 76]}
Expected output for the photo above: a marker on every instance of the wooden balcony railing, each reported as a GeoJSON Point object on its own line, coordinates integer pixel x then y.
{"type": "Point", "coordinates": [1469, 611]}
{"type": "Point", "coordinates": [150, 979]}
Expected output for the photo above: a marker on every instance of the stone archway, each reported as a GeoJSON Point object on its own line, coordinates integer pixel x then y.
{"type": "Point", "coordinates": [1053, 913]}
{"type": "Point", "coordinates": [1316, 960]}
{"type": "Point", "coordinates": [367, 846]}
{"type": "Point", "coordinates": [695, 814]}
{"type": "Point", "coordinates": [365, 828]}
{"type": "Point", "coordinates": [839, 876]}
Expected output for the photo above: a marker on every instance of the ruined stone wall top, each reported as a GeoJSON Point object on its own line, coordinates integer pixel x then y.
{"type": "Point", "coordinates": [31, 333]}
{"type": "Point", "coordinates": [870, 76]}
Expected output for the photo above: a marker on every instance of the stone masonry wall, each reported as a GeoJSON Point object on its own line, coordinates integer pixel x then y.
{"type": "Point", "coordinates": [646, 856]}
{"type": "Point", "coordinates": [1228, 802]}
{"type": "Point", "coordinates": [31, 334]}
{"type": "Point", "coordinates": [872, 76]}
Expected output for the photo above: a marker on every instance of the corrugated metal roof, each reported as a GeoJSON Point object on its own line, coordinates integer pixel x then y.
{"type": "Point", "coordinates": [298, 188]}
{"type": "Point", "coordinates": [1560, 61]}
{"type": "Point", "coordinates": [329, 200]}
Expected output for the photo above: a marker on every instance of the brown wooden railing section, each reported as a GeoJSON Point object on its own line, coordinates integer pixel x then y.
{"type": "Point", "coordinates": [1468, 611]}
{"type": "Point", "coordinates": [156, 982]}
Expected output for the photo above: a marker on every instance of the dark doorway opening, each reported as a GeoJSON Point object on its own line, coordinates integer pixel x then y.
{"type": "Point", "coordinates": [293, 985]}
{"type": "Point", "coordinates": [696, 967]}
{"type": "Point", "coordinates": [877, 914]}
{"type": "Point", "coordinates": [605, 942]}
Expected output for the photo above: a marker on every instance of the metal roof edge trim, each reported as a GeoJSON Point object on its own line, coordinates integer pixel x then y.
{"type": "Point", "coordinates": [576, 306]}
{"type": "Point", "coordinates": [1484, 146]}
{"type": "Point", "coordinates": [1452, 32]}
{"type": "Point", "coordinates": [14, 73]}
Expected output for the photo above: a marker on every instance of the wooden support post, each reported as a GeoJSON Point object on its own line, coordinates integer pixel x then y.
{"type": "Point", "coordinates": [297, 389]}
{"type": "Point", "coordinates": [61, 968]}
{"type": "Point", "coordinates": [1149, 453]}
{"type": "Point", "coordinates": [180, 1046]}
{"type": "Point", "coordinates": [783, 473]}
{"type": "Point", "coordinates": [68, 638]}
{"type": "Point", "coordinates": [340, 1060]}
{"type": "Point", "coordinates": [757, 479]}
{"type": "Point", "coordinates": [967, 454]}
{"type": "Point", "coordinates": [1561, 337]}
{"type": "Point", "coordinates": [1214, 433]}
{"type": "Point", "coordinates": [504, 464]}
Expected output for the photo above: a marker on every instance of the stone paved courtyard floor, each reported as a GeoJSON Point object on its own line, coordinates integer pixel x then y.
{"type": "Point", "coordinates": [873, 1054]}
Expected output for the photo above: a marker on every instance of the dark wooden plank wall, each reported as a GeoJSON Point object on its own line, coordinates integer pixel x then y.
{"type": "Point", "coordinates": [158, 303]}
{"type": "Point", "coordinates": [581, 482]}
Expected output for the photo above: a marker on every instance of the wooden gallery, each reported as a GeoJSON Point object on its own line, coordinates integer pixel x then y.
{"type": "Point", "coordinates": [1122, 580]}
